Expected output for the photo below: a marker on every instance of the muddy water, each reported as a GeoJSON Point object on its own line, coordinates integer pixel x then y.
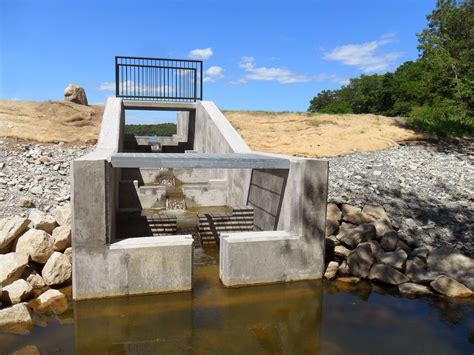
{"type": "Point", "coordinates": [293, 318]}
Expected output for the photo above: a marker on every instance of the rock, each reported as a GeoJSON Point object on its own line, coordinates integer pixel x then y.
{"type": "Point", "coordinates": [57, 269]}
{"type": "Point", "coordinates": [343, 269]}
{"type": "Point", "coordinates": [42, 221]}
{"type": "Point", "coordinates": [51, 300]}
{"type": "Point", "coordinates": [351, 280]}
{"type": "Point", "coordinates": [37, 244]}
{"type": "Point", "coordinates": [331, 270]}
{"type": "Point", "coordinates": [354, 236]}
{"type": "Point", "coordinates": [378, 212]}
{"type": "Point", "coordinates": [16, 292]}
{"type": "Point", "coordinates": [16, 319]}
{"type": "Point", "coordinates": [401, 245]}
{"type": "Point", "coordinates": [348, 209]}
{"type": "Point", "coordinates": [334, 240]}
{"type": "Point", "coordinates": [413, 289]}
{"type": "Point", "coordinates": [375, 247]}
{"type": "Point", "coordinates": [34, 279]}
{"type": "Point", "coordinates": [76, 94]}
{"type": "Point", "coordinates": [11, 229]}
{"type": "Point", "coordinates": [345, 226]}
{"type": "Point", "coordinates": [27, 350]}
{"type": "Point", "coordinates": [382, 226]}
{"type": "Point", "coordinates": [62, 214]}
{"type": "Point", "coordinates": [333, 217]}
{"type": "Point", "coordinates": [450, 287]}
{"type": "Point", "coordinates": [61, 238]}
{"type": "Point", "coordinates": [341, 251]}
{"type": "Point", "coordinates": [394, 259]}
{"type": "Point", "coordinates": [453, 264]}
{"type": "Point", "coordinates": [424, 277]}
{"type": "Point", "coordinates": [358, 218]}
{"type": "Point", "coordinates": [25, 202]}
{"type": "Point", "coordinates": [360, 260]}
{"type": "Point", "coordinates": [68, 253]}
{"type": "Point", "coordinates": [421, 252]}
{"type": "Point", "coordinates": [11, 267]}
{"type": "Point", "coordinates": [413, 266]}
{"type": "Point", "coordinates": [387, 274]}
{"type": "Point", "coordinates": [389, 241]}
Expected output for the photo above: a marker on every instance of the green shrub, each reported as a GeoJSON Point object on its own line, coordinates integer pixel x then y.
{"type": "Point", "coordinates": [337, 107]}
{"type": "Point", "coordinates": [442, 118]}
{"type": "Point", "coordinates": [161, 129]}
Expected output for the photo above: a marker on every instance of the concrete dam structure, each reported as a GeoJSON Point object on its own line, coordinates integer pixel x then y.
{"type": "Point", "coordinates": [140, 208]}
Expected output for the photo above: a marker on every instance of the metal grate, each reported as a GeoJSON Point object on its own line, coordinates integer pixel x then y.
{"type": "Point", "coordinates": [139, 78]}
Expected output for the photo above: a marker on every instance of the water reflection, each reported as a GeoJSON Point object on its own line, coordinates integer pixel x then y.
{"type": "Point", "coordinates": [265, 319]}
{"type": "Point", "coordinates": [287, 318]}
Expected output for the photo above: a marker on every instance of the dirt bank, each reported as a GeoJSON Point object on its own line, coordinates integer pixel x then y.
{"type": "Point", "coordinates": [320, 135]}
{"type": "Point", "coordinates": [50, 121]}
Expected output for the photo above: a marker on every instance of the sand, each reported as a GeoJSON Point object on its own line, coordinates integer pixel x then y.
{"type": "Point", "coordinates": [50, 121]}
{"type": "Point", "coordinates": [318, 135]}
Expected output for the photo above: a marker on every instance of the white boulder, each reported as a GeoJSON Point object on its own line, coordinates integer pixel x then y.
{"type": "Point", "coordinates": [37, 244]}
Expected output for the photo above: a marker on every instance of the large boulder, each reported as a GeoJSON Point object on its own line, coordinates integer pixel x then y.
{"type": "Point", "coordinates": [360, 260]}
{"type": "Point", "coordinates": [11, 267]}
{"type": "Point", "coordinates": [387, 274]}
{"type": "Point", "coordinates": [68, 253]}
{"type": "Point", "coordinates": [34, 279]}
{"type": "Point", "coordinates": [51, 300]}
{"type": "Point", "coordinates": [454, 264]}
{"type": "Point", "coordinates": [413, 289]}
{"type": "Point", "coordinates": [16, 319]}
{"type": "Point", "coordinates": [76, 94]}
{"type": "Point", "coordinates": [331, 270]}
{"type": "Point", "coordinates": [42, 221]}
{"type": "Point", "coordinates": [389, 241]}
{"type": "Point", "coordinates": [354, 236]}
{"type": "Point", "coordinates": [382, 226]}
{"type": "Point", "coordinates": [333, 217]}
{"type": "Point", "coordinates": [375, 211]}
{"type": "Point", "coordinates": [341, 251]}
{"type": "Point", "coordinates": [57, 269]}
{"type": "Point", "coordinates": [37, 244]}
{"type": "Point", "coordinates": [62, 214]}
{"type": "Point", "coordinates": [16, 292]}
{"type": "Point", "coordinates": [450, 287]}
{"type": "Point", "coordinates": [11, 229]}
{"type": "Point", "coordinates": [394, 259]}
{"type": "Point", "coordinates": [61, 238]}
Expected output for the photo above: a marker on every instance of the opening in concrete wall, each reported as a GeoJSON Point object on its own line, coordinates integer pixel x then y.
{"type": "Point", "coordinates": [150, 130]}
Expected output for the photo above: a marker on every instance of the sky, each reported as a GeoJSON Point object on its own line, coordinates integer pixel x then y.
{"type": "Point", "coordinates": [258, 55]}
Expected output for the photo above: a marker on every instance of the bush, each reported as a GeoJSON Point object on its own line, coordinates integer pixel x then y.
{"type": "Point", "coordinates": [337, 107]}
{"type": "Point", "coordinates": [442, 118]}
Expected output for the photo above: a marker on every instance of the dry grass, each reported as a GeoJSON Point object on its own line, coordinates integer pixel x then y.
{"type": "Point", "coordinates": [320, 135]}
{"type": "Point", "coordinates": [50, 121]}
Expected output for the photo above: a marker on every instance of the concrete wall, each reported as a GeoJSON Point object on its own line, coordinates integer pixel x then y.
{"type": "Point", "coordinates": [103, 266]}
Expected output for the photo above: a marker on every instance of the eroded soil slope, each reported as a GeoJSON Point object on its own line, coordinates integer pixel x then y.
{"type": "Point", "coordinates": [50, 121]}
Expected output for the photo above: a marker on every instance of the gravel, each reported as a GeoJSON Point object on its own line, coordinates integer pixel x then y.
{"type": "Point", "coordinates": [35, 175]}
{"type": "Point", "coordinates": [427, 189]}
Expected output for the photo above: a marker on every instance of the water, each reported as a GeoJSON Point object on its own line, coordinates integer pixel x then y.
{"type": "Point", "coordinates": [293, 318]}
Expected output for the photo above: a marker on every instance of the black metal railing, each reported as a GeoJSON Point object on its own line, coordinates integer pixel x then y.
{"type": "Point", "coordinates": [140, 78]}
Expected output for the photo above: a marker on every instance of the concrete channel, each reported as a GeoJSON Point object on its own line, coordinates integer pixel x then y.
{"type": "Point", "coordinates": [138, 211]}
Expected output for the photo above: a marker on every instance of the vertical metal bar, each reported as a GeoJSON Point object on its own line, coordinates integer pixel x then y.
{"type": "Point", "coordinates": [116, 77]}
{"type": "Point", "coordinates": [201, 80]}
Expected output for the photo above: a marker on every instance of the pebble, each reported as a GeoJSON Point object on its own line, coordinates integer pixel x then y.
{"type": "Point", "coordinates": [35, 175]}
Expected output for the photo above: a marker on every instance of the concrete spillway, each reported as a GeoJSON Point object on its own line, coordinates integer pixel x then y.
{"type": "Point", "coordinates": [136, 209]}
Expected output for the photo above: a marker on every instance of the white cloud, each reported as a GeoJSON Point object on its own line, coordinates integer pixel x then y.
{"type": "Point", "coordinates": [201, 54]}
{"type": "Point", "coordinates": [365, 56]}
{"type": "Point", "coordinates": [213, 74]}
{"type": "Point", "coordinates": [281, 75]}
{"type": "Point", "coordinates": [106, 86]}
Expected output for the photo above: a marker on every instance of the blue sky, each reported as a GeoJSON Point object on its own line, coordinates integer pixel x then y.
{"type": "Point", "coordinates": [258, 55]}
